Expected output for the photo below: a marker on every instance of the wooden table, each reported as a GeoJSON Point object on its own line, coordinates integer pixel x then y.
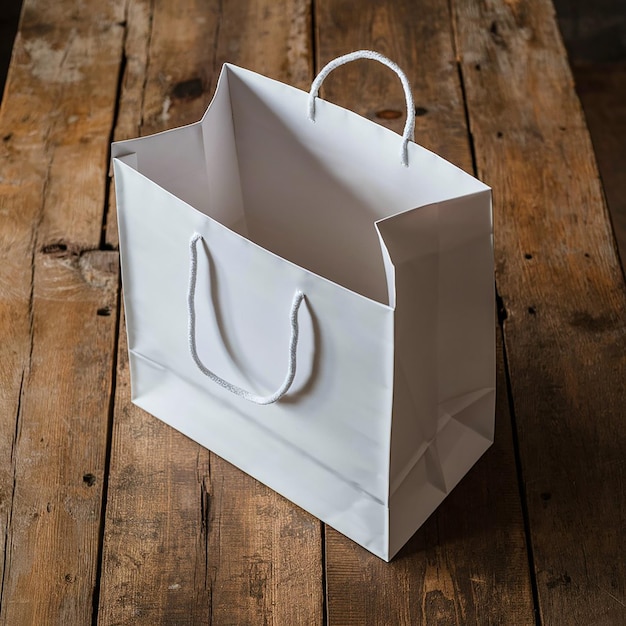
{"type": "Point", "coordinates": [108, 516]}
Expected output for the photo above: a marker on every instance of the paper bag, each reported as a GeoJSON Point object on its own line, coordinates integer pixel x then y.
{"type": "Point", "coordinates": [311, 297]}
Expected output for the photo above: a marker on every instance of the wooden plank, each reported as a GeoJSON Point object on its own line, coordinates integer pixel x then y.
{"type": "Point", "coordinates": [57, 308]}
{"type": "Point", "coordinates": [138, 26]}
{"type": "Point", "coordinates": [602, 91]}
{"type": "Point", "coordinates": [468, 563]}
{"type": "Point", "coordinates": [266, 553]}
{"type": "Point", "coordinates": [190, 539]}
{"type": "Point", "coordinates": [60, 446]}
{"type": "Point", "coordinates": [564, 294]}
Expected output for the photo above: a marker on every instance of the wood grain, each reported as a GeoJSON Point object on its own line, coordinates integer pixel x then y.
{"type": "Point", "coordinates": [57, 308]}
{"type": "Point", "coordinates": [564, 294]}
{"type": "Point", "coordinates": [189, 538]}
{"type": "Point", "coordinates": [155, 558]}
{"type": "Point", "coordinates": [468, 563]}
{"type": "Point", "coordinates": [59, 454]}
{"type": "Point", "coordinates": [265, 554]}
{"type": "Point", "coordinates": [129, 106]}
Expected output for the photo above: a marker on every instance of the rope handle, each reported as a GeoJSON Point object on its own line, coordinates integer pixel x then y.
{"type": "Point", "coordinates": [409, 128]}
{"type": "Point", "coordinates": [191, 315]}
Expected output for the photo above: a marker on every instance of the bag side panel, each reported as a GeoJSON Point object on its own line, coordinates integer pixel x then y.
{"type": "Point", "coordinates": [444, 395]}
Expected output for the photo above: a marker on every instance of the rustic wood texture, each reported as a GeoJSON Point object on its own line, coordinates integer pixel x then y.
{"type": "Point", "coordinates": [447, 573]}
{"type": "Point", "coordinates": [129, 107]}
{"type": "Point", "coordinates": [189, 538]}
{"type": "Point", "coordinates": [155, 558]}
{"type": "Point", "coordinates": [563, 290]}
{"type": "Point", "coordinates": [108, 516]}
{"type": "Point", "coordinates": [57, 308]}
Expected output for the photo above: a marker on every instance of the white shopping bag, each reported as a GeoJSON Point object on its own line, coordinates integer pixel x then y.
{"type": "Point", "coordinates": [311, 297]}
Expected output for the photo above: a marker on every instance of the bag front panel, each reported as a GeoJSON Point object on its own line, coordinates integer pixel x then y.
{"type": "Point", "coordinates": [337, 414]}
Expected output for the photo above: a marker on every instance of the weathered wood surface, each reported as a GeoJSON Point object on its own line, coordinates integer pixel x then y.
{"type": "Point", "coordinates": [107, 516]}
{"type": "Point", "coordinates": [564, 298]}
{"type": "Point", "coordinates": [57, 308]}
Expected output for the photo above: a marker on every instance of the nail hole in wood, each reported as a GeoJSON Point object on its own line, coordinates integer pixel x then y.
{"type": "Point", "coordinates": [89, 480]}
{"type": "Point", "coordinates": [104, 311]}
{"type": "Point", "coordinates": [7, 137]}
{"type": "Point", "coordinates": [532, 310]}
{"type": "Point", "coordinates": [420, 111]}
{"type": "Point", "coordinates": [495, 34]}
{"type": "Point", "coordinates": [528, 256]}
{"type": "Point", "coordinates": [388, 114]}
{"type": "Point", "coordinates": [54, 248]}
{"type": "Point", "coordinates": [499, 134]}
{"type": "Point", "coordinates": [477, 67]}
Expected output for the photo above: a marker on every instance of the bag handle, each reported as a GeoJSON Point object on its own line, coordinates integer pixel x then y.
{"type": "Point", "coordinates": [191, 316]}
{"type": "Point", "coordinates": [409, 127]}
